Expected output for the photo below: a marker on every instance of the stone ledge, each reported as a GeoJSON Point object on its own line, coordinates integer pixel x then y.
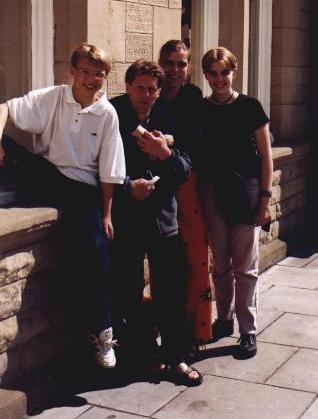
{"type": "Point", "coordinates": [272, 253]}
{"type": "Point", "coordinates": [13, 404]}
{"type": "Point", "coordinates": [20, 226]}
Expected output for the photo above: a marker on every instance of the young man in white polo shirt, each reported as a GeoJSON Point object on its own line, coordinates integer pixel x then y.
{"type": "Point", "coordinates": [78, 157]}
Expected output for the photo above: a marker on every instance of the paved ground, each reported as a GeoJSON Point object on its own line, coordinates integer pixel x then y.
{"type": "Point", "coordinates": [280, 382]}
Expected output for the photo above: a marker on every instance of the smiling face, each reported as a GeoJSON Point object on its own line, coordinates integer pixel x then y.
{"type": "Point", "coordinates": [220, 79]}
{"type": "Point", "coordinates": [143, 92]}
{"type": "Point", "coordinates": [88, 79]}
{"type": "Point", "coordinates": [176, 68]}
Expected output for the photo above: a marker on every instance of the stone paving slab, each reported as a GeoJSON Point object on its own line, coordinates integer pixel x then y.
{"type": "Point", "coordinates": [287, 276]}
{"type": "Point", "coordinates": [313, 264]}
{"type": "Point", "coordinates": [101, 413]}
{"type": "Point", "coordinates": [292, 300]}
{"type": "Point", "coordinates": [297, 262]}
{"type": "Point", "coordinates": [141, 398]}
{"type": "Point", "coordinates": [219, 360]}
{"type": "Point", "coordinates": [312, 412]}
{"type": "Point", "coordinates": [300, 372]}
{"type": "Point", "coordinates": [293, 329]}
{"type": "Point", "coordinates": [223, 398]}
{"type": "Point", "coordinates": [65, 412]}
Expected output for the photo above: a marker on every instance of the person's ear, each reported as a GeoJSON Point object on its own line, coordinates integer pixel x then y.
{"type": "Point", "coordinates": [234, 73]}
{"type": "Point", "coordinates": [127, 87]}
{"type": "Point", "coordinates": [72, 71]}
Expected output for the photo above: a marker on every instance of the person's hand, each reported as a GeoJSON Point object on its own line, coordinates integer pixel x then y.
{"type": "Point", "coordinates": [108, 227]}
{"type": "Point", "coordinates": [155, 145]}
{"type": "Point", "coordinates": [2, 155]}
{"type": "Point", "coordinates": [264, 213]}
{"type": "Point", "coordinates": [141, 189]}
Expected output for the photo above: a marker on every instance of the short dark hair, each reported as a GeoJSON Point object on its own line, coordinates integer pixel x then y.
{"type": "Point", "coordinates": [220, 54]}
{"type": "Point", "coordinates": [174, 45]}
{"type": "Point", "coordinates": [92, 53]}
{"type": "Point", "coordinates": [144, 67]}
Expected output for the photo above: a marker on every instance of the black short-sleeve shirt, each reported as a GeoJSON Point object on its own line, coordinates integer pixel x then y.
{"type": "Point", "coordinates": [228, 142]}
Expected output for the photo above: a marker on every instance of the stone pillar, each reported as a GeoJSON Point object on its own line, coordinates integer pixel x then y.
{"type": "Point", "coordinates": [261, 52]}
{"type": "Point", "coordinates": [291, 61]}
{"type": "Point", "coordinates": [204, 36]}
{"type": "Point", "coordinates": [234, 35]}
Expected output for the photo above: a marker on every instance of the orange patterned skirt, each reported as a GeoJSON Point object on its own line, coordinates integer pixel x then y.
{"type": "Point", "coordinates": [192, 231]}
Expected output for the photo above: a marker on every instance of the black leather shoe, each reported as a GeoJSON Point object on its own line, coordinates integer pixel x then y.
{"type": "Point", "coordinates": [222, 328]}
{"type": "Point", "coordinates": [248, 346]}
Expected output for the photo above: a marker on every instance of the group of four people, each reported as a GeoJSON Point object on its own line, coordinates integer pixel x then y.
{"type": "Point", "coordinates": [130, 177]}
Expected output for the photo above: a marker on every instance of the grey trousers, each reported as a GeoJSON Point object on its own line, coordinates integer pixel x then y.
{"type": "Point", "coordinates": [235, 261]}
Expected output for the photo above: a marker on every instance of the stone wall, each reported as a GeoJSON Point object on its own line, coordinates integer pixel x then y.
{"type": "Point", "coordinates": [291, 65]}
{"type": "Point", "coordinates": [288, 203]}
{"type": "Point", "coordinates": [127, 30]}
{"type": "Point", "coordinates": [31, 326]}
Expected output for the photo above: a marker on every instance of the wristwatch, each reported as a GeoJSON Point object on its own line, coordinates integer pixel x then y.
{"type": "Point", "coordinates": [265, 193]}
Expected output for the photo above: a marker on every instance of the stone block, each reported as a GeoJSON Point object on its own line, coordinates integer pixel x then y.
{"type": "Point", "coordinates": [3, 364]}
{"type": "Point", "coordinates": [286, 14]}
{"type": "Point", "coordinates": [62, 73]}
{"type": "Point", "coordinates": [290, 47]}
{"type": "Point", "coordinates": [305, 20]}
{"type": "Point", "coordinates": [286, 95]}
{"type": "Point", "coordinates": [175, 4]}
{"type": "Point", "coordinates": [139, 18]}
{"type": "Point", "coordinates": [8, 332]}
{"type": "Point", "coordinates": [289, 122]}
{"type": "Point", "coordinates": [162, 3]}
{"type": "Point", "coordinates": [292, 221]}
{"type": "Point", "coordinates": [34, 354]}
{"type": "Point", "coordinates": [34, 258]}
{"type": "Point", "coordinates": [97, 28]}
{"type": "Point", "coordinates": [166, 26]}
{"type": "Point", "coordinates": [116, 79]}
{"type": "Point", "coordinates": [272, 253]}
{"type": "Point", "coordinates": [114, 26]}
{"type": "Point", "coordinates": [61, 25]}
{"type": "Point", "coordinates": [289, 76]}
{"type": "Point", "coordinates": [11, 299]}
{"type": "Point", "coordinates": [20, 226]}
{"type": "Point", "coordinates": [34, 322]}
{"type": "Point", "coordinates": [138, 46]}
{"type": "Point", "coordinates": [13, 404]}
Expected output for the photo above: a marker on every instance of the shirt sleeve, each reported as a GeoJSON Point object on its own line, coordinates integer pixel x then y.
{"type": "Point", "coordinates": [259, 115]}
{"type": "Point", "coordinates": [112, 168]}
{"type": "Point", "coordinates": [27, 112]}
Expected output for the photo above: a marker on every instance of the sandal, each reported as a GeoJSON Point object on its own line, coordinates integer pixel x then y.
{"type": "Point", "coordinates": [185, 378]}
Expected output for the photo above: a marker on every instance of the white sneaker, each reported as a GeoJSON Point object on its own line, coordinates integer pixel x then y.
{"type": "Point", "coordinates": [103, 344]}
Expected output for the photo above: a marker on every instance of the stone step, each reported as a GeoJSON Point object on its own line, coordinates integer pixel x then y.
{"type": "Point", "coordinates": [13, 404]}
{"type": "Point", "coordinates": [272, 253]}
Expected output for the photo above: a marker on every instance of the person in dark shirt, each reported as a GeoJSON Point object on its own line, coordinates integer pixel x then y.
{"type": "Point", "coordinates": [182, 101]}
{"type": "Point", "coordinates": [236, 172]}
{"type": "Point", "coordinates": [145, 219]}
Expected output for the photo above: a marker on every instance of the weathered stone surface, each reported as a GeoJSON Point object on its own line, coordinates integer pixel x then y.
{"type": "Point", "coordinates": [3, 364]}
{"type": "Point", "coordinates": [16, 265]}
{"type": "Point", "coordinates": [34, 354]}
{"type": "Point", "coordinates": [138, 46]}
{"type": "Point", "coordinates": [166, 26]}
{"type": "Point", "coordinates": [114, 28]}
{"type": "Point", "coordinates": [8, 332]}
{"type": "Point", "coordinates": [163, 3]}
{"type": "Point", "coordinates": [139, 18]}
{"type": "Point", "coordinates": [175, 4]}
{"type": "Point", "coordinates": [13, 404]}
{"type": "Point", "coordinates": [27, 219]}
{"type": "Point", "coordinates": [11, 299]}
{"type": "Point", "coordinates": [272, 253]}
{"type": "Point", "coordinates": [116, 79]}
{"type": "Point", "coordinates": [286, 14]}
{"type": "Point", "coordinates": [35, 322]}
{"type": "Point", "coordinates": [289, 122]}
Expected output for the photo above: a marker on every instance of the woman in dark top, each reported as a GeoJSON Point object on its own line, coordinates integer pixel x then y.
{"type": "Point", "coordinates": [182, 101]}
{"type": "Point", "coordinates": [235, 181]}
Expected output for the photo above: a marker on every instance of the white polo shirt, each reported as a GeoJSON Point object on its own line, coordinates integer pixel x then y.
{"type": "Point", "coordinates": [84, 144]}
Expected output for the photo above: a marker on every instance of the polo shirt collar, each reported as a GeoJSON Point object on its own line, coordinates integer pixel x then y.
{"type": "Point", "coordinates": [97, 108]}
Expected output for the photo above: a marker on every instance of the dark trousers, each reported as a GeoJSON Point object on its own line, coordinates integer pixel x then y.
{"type": "Point", "coordinates": [84, 246]}
{"type": "Point", "coordinates": [168, 275]}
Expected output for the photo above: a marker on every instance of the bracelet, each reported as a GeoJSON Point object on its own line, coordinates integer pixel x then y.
{"type": "Point", "coordinates": [265, 193]}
